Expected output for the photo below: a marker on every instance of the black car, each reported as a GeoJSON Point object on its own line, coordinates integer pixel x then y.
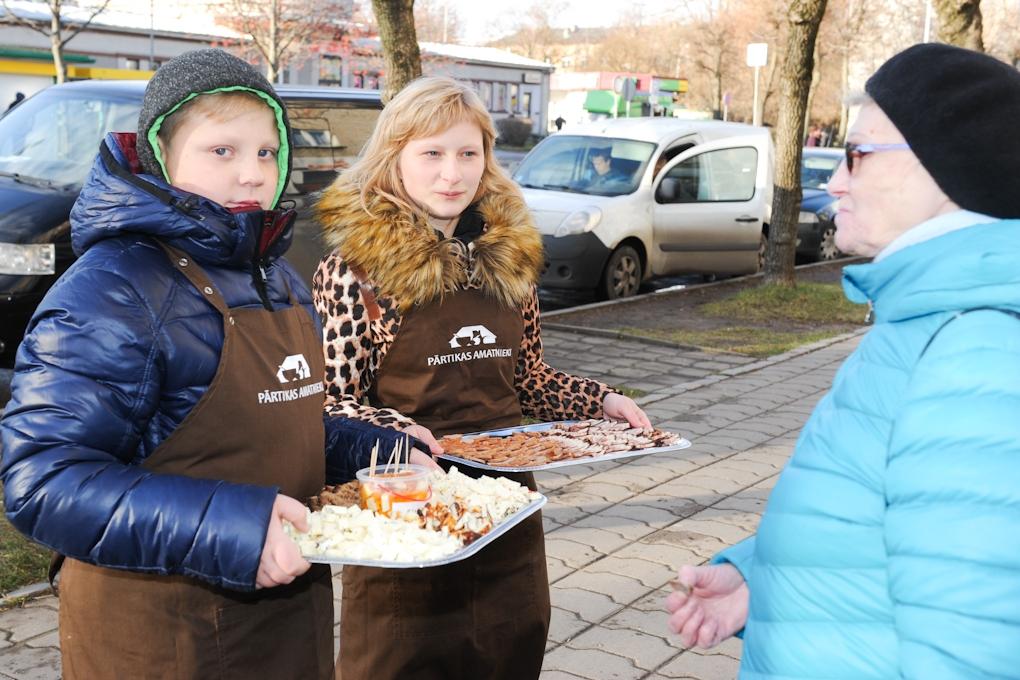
{"type": "Point", "coordinates": [48, 143]}
{"type": "Point", "coordinates": [816, 230]}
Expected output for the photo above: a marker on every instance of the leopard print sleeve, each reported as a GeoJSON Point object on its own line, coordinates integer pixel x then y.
{"type": "Point", "coordinates": [544, 392]}
{"type": "Point", "coordinates": [353, 346]}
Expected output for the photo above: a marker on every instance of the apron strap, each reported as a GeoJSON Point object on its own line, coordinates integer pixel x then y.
{"type": "Point", "coordinates": [185, 265]}
{"type": "Point", "coordinates": [371, 306]}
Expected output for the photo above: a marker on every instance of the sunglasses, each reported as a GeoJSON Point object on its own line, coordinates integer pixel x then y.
{"type": "Point", "coordinates": [854, 152]}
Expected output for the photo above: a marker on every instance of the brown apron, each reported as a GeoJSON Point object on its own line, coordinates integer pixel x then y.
{"type": "Point", "coordinates": [451, 368]}
{"type": "Point", "coordinates": [118, 624]}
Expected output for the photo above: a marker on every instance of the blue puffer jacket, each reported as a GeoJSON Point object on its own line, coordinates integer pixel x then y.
{"type": "Point", "coordinates": [117, 354]}
{"type": "Point", "coordinates": [890, 546]}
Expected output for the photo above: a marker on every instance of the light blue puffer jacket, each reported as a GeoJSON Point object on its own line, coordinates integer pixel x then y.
{"type": "Point", "coordinates": [890, 546]}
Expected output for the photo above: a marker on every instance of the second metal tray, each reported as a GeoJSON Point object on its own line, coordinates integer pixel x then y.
{"type": "Point", "coordinates": [541, 427]}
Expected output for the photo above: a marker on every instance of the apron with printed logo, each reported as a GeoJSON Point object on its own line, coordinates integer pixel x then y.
{"type": "Point", "coordinates": [259, 422]}
{"type": "Point", "coordinates": [451, 368]}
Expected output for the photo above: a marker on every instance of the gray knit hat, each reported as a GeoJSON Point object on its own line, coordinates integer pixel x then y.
{"type": "Point", "coordinates": [958, 111]}
{"type": "Point", "coordinates": [204, 72]}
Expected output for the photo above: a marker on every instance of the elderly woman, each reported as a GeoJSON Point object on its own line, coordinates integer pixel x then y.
{"type": "Point", "coordinates": [891, 543]}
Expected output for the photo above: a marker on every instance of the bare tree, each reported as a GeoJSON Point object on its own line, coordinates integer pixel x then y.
{"type": "Point", "coordinates": [399, 43]}
{"type": "Point", "coordinates": [804, 18]}
{"type": "Point", "coordinates": [59, 32]}
{"type": "Point", "coordinates": [436, 21]}
{"type": "Point", "coordinates": [960, 23]}
{"type": "Point", "coordinates": [280, 30]}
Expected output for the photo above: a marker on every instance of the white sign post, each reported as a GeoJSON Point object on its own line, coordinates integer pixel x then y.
{"type": "Point", "coordinates": [757, 56]}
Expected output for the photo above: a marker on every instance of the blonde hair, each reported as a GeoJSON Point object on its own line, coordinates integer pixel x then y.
{"type": "Point", "coordinates": [426, 107]}
{"type": "Point", "coordinates": [217, 106]}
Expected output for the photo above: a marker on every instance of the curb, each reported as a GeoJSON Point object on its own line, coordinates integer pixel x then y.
{"type": "Point", "coordinates": [25, 593]}
{"type": "Point", "coordinates": [620, 335]}
{"type": "Point", "coordinates": [681, 291]}
{"type": "Point", "coordinates": [680, 388]}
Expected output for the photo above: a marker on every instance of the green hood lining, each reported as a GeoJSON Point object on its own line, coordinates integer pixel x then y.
{"type": "Point", "coordinates": [282, 157]}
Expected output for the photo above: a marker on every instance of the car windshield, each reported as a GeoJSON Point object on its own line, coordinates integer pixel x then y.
{"type": "Point", "coordinates": [603, 166]}
{"type": "Point", "coordinates": [52, 138]}
{"type": "Point", "coordinates": [815, 171]}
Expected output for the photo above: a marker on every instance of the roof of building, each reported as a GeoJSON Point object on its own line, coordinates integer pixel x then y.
{"type": "Point", "coordinates": [484, 55]}
{"type": "Point", "coordinates": [160, 23]}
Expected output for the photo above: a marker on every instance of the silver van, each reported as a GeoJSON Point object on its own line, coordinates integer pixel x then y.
{"type": "Point", "coordinates": [619, 201]}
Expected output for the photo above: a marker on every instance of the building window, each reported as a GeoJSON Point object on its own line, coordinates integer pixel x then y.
{"type": "Point", "coordinates": [499, 97]}
{"type": "Point", "coordinates": [515, 101]}
{"type": "Point", "coordinates": [331, 69]}
{"type": "Point", "coordinates": [485, 92]}
{"type": "Point", "coordinates": [526, 103]}
{"type": "Point", "coordinates": [131, 64]}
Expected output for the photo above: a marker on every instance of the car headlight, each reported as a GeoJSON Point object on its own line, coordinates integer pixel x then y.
{"type": "Point", "coordinates": [26, 258]}
{"type": "Point", "coordinates": [579, 222]}
{"type": "Point", "coordinates": [806, 217]}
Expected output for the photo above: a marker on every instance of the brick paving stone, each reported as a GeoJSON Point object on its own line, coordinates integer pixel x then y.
{"type": "Point", "coordinates": [589, 606]}
{"type": "Point", "coordinates": [559, 675]}
{"type": "Point", "coordinates": [28, 663]}
{"type": "Point", "coordinates": [667, 544]}
{"type": "Point", "coordinates": [702, 524]}
{"type": "Point", "coordinates": [604, 542]}
{"type": "Point", "coordinates": [643, 515]}
{"type": "Point", "coordinates": [650, 573]}
{"type": "Point", "coordinates": [598, 488]}
{"type": "Point", "coordinates": [620, 589]}
{"type": "Point", "coordinates": [690, 665]}
{"type": "Point", "coordinates": [644, 651]}
{"type": "Point", "coordinates": [50, 639]}
{"type": "Point", "coordinates": [565, 624]}
{"type": "Point", "coordinates": [557, 568]}
{"type": "Point", "coordinates": [594, 664]}
{"type": "Point", "coordinates": [29, 621]}
{"type": "Point", "coordinates": [628, 529]}
{"type": "Point", "coordinates": [572, 553]}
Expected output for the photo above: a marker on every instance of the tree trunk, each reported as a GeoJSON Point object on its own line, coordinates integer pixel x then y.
{"type": "Point", "coordinates": [399, 43]}
{"type": "Point", "coordinates": [815, 74]}
{"type": "Point", "coordinates": [56, 46]}
{"type": "Point", "coordinates": [804, 17]}
{"type": "Point", "coordinates": [960, 23]}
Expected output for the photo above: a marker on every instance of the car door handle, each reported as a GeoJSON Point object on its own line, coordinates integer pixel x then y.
{"type": "Point", "coordinates": [747, 219]}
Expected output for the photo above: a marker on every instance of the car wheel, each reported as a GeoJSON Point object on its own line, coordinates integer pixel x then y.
{"type": "Point", "coordinates": [827, 249]}
{"type": "Point", "coordinates": [623, 274]}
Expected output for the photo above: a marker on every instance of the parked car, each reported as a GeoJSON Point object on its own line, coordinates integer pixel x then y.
{"type": "Point", "coordinates": [619, 201]}
{"type": "Point", "coordinates": [48, 143]}
{"type": "Point", "coordinates": [816, 230]}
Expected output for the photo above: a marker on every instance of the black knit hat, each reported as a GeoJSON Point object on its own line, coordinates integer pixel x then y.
{"type": "Point", "coordinates": [204, 72]}
{"type": "Point", "coordinates": [959, 111]}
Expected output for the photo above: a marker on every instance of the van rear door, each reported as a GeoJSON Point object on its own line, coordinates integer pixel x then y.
{"type": "Point", "coordinates": [711, 204]}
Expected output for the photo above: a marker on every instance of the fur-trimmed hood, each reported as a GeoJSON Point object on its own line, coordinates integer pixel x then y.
{"type": "Point", "coordinates": [408, 261]}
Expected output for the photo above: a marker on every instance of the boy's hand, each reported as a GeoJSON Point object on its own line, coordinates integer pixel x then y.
{"type": "Point", "coordinates": [281, 559]}
{"type": "Point", "coordinates": [618, 407]}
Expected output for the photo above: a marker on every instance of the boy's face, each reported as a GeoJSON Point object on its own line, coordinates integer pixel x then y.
{"type": "Point", "coordinates": [231, 162]}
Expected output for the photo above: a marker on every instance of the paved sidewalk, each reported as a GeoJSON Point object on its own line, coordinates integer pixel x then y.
{"type": "Point", "coordinates": [616, 531]}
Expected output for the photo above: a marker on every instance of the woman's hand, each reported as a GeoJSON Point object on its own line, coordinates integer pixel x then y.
{"type": "Point", "coordinates": [281, 559]}
{"type": "Point", "coordinates": [709, 605]}
{"type": "Point", "coordinates": [424, 435]}
{"type": "Point", "coordinates": [618, 407]}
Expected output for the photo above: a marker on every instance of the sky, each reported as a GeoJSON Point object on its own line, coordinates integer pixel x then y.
{"type": "Point", "coordinates": [482, 19]}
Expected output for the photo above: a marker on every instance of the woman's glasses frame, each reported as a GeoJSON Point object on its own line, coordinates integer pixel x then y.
{"type": "Point", "coordinates": [854, 152]}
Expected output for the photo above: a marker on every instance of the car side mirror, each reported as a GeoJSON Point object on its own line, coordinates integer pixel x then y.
{"type": "Point", "coordinates": [666, 192]}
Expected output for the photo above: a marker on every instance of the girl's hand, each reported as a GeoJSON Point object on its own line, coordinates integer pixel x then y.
{"type": "Point", "coordinates": [424, 435]}
{"type": "Point", "coordinates": [618, 407]}
{"type": "Point", "coordinates": [708, 605]}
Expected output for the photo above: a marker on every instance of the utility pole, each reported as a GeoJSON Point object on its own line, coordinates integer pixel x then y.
{"type": "Point", "coordinates": [757, 56]}
{"type": "Point", "coordinates": [152, 38]}
{"type": "Point", "coordinates": [927, 20]}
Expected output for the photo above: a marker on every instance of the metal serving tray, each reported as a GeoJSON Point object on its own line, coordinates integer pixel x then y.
{"type": "Point", "coordinates": [541, 427]}
{"type": "Point", "coordinates": [465, 552]}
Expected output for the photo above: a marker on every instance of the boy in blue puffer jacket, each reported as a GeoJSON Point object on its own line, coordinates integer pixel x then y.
{"type": "Point", "coordinates": [166, 408]}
